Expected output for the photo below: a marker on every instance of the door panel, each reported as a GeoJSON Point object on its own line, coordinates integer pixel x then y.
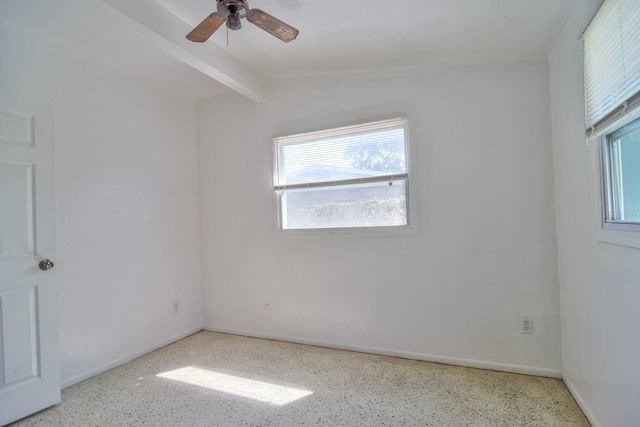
{"type": "Point", "coordinates": [16, 128]}
{"type": "Point", "coordinates": [19, 332]}
{"type": "Point", "coordinates": [17, 236]}
{"type": "Point", "coordinates": [29, 366]}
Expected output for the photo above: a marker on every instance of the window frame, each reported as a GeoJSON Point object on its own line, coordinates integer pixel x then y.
{"type": "Point", "coordinates": [619, 233]}
{"type": "Point", "coordinates": [611, 202]}
{"type": "Point", "coordinates": [411, 193]}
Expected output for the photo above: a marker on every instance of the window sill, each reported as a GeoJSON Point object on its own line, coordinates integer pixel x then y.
{"type": "Point", "coordinates": [622, 238]}
{"type": "Point", "coordinates": [400, 231]}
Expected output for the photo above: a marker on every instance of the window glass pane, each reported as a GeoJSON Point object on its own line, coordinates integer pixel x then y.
{"type": "Point", "coordinates": [363, 205]}
{"type": "Point", "coordinates": [624, 157]}
{"type": "Point", "coordinates": [355, 155]}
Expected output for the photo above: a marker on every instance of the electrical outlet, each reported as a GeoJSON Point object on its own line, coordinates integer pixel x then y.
{"type": "Point", "coordinates": [175, 307]}
{"type": "Point", "coordinates": [527, 325]}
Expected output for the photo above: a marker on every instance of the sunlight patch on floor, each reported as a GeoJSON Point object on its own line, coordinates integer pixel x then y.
{"type": "Point", "coordinates": [238, 386]}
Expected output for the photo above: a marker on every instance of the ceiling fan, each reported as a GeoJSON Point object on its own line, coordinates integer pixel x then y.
{"type": "Point", "coordinates": [231, 12]}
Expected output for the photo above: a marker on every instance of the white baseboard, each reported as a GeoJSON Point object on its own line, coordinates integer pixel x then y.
{"type": "Point", "coordinates": [469, 363]}
{"type": "Point", "coordinates": [581, 403]}
{"type": "Point", "coordinates": [121, 361]}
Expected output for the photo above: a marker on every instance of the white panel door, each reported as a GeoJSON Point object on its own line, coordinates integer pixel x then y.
{"type": "Point", "coordinates": [29, 367]}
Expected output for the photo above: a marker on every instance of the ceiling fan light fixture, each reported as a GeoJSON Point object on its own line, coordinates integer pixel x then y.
{"type": "Point", "coordinates": [233, 21]}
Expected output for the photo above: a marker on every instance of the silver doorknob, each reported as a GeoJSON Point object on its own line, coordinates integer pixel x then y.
{"type": "Point", "coordinates": [45, 265]}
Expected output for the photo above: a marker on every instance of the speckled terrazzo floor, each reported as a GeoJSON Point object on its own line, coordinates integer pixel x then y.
{"type": "Point", "coordinates": [332, 388]}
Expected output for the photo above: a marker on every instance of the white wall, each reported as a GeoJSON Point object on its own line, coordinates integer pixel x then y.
{"type": "Point", "coordinates": [600, 289]}
{"type": "Point", "coordinates": [486, 252]}
{"type": "Point", "coordinates": [126, 205]}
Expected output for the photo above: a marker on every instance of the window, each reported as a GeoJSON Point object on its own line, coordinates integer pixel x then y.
{"type": "Point", "coordinates": [621, 177]}
{"type": "Point", "coordinates": [346, 178]}
{"type": "Point", "coordinates": [611, 52]}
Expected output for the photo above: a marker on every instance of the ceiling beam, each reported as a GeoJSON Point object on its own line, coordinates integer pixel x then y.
{"type": "Point", "coordinates": [166, 31]}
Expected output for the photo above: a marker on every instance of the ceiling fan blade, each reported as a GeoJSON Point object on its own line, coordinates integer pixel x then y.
{"type": "Point", "coordinates": [206, 28]}
{"type": "Point", "coordinates": [271, 25]}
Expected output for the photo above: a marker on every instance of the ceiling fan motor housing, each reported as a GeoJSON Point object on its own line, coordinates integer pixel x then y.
{"type": "Point", "coordinates": [233, 11]}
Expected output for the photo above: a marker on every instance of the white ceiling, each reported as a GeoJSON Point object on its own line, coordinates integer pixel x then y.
{"type": "Point", "coordinates": [338, 35]}
{"type": "Point", "coordinates": [142, 39]}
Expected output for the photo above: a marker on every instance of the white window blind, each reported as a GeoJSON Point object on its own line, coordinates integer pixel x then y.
{"type": "Point", "coordinates": [611, 49]}
{"type": "Point", "coordinates": [372, 152]}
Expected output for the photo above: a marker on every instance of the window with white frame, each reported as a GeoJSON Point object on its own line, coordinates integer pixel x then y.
{"type": "Point", "coordinates": [621, 177]}
{"type": "Point", "coordinates": [345, 178]}
{"type": "Point", "coordinates": [611, 49]}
